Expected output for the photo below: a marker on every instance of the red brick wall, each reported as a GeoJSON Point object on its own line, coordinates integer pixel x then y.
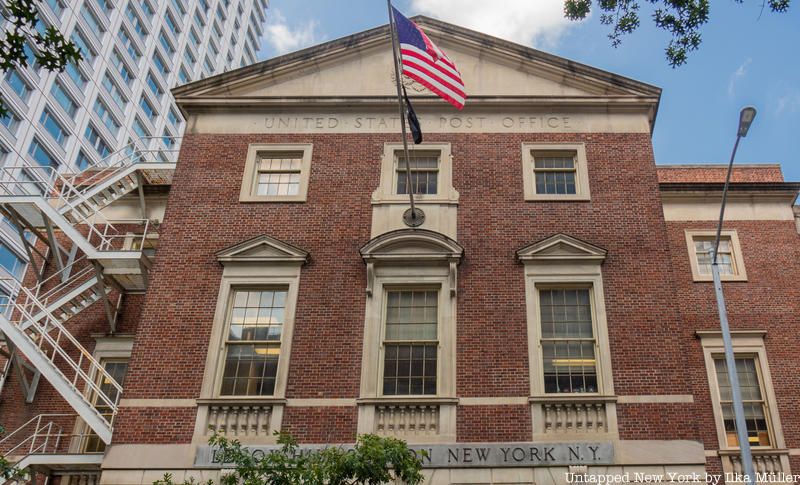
{"type": "Point", "coordinates": [676, 173]}
{"type": "Point", "coordinates": [85, 327]}
{"type": "Point", "coordinates": [493, 423]}
{"type": "Point", "coordinates": [204, 216]}
{"type": "Point", "coordinates": [769, 300]}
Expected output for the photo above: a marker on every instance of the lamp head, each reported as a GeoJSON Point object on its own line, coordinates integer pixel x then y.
{"type": "Point", "coordinates": [746, 117]}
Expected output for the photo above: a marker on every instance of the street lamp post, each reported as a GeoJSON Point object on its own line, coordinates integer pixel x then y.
{"type": "Point", "coordinates": [745, 120]}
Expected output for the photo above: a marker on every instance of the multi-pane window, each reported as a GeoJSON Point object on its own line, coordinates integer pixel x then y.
{"type": "Point", "coordinates": [77, 76]}
{"type": "Point", "coordinates": [114, 91]}
{"type": "Point", "coordinates": [154, 86]}
{"type": "Point", "coordinates": [94, 139]}
{"type": "Point", "coordinates": [116, 368]}
{"type": "Point", "coordinates": [189, 57]}
{"type": "Point", "coordinates": [87, 52]}
{"type": "Point", "coordinates": [554, 173]}
{"type": "Point", "coordinates": [56, 6]}
{"type": "Point", "coordinates": [147, 108]}
{"type": "Point", "coordinates": [165, 43]}
{"type": "Point", "coordinates": [11, 262]}
{"type": "Point", "coordinates": [82, 161]}
{"type": "Point", "coordinates": [105, 6]}
{"type": "Point", "coordinates": [139, 128]}
{"type": "Point", "coordinates": [253, 342]}
{"type": "Point", "coordinates": [173, 117]}
{"type": "Point", "coordinates": [278, 174]}
{"type": "Point", "coordinates": [128, 44]}
{"type": "Point", "coordinates": [183, 76]}
{"type": "Point", "coordinates": [410, 343]}
{"type": "Point", "coordinates": [91, 20]}
{"type": "Point", "coordinates": [755, 408]}
{"type": "Point", "coordinates": [10, 120]}
{"type": "Point", "coordinates": [104, 114]}
{"type": "Point", "coordinates": [64, 99]}
{"type": "Point", "coordinates": [53, 127]}
{"type": "Point", "coordinates": [171, 25]}
{"type": "Point", "coordinates": [160, 64]}
{"type": "Point", "coordinates": [568, 341]}
{"type": "Point", "coordinates": [704, 249]}
{"type": "Point", "coordinates": [134, 19]}
{"type": "Point", "coordinates": [119, 63]}
{"type": "Point", "coordinates": [148, 8]}
{"type": "Point", "coordinates": [41, 155]}
{"type": "Point", "coordinates": [18, 85]}
{"type": "Point", "coordinates": [424, 173]}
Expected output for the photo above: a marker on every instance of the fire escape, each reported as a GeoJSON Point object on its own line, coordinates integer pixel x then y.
{"type": "Point", "coordinates": [87, 259]}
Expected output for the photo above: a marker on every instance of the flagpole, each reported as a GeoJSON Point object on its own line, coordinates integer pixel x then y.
{"type": "Point", "coordinates": [413, 222]}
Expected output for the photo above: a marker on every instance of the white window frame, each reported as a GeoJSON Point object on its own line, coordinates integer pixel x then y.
{"type": "Point", "coordinates": [392, 156]}
{"type": "Point", "coordinates": [387, 269]}
{"type": "Point", "coordinates": [250, 178]}
{"type": "Point", "coordinates": [737, 257]}
{"type": "Point", "coordinates": [749, 343]}
{"type": "Point", "coordinates": [261, 262]}
{"type": "Point", "coordinates": [562, 261]}
{"type": "Point", "coordinates": [582, 192]}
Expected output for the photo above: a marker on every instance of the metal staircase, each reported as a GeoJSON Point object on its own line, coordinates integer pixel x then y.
{"type": "Point", "coordinates": [99, 257]}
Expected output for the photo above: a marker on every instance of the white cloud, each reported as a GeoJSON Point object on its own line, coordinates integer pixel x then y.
{"type": "Point", "coordinates": [529, 22]}
{"type": "Point", "coordinates": [788, 103]}
{"type": "Point", "coordinates": [280, 37]}
{"type": "Point", "coordinates": [738, 74]}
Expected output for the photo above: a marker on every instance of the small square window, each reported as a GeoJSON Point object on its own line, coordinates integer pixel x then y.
{"type": "Point", "coordinates": [424, 173]}
{"type": "Point", "coordinates": [729, 260]}
{"type": "Point", "coordinates": [276, 173]}
{"type": "Point", "coordinates": [555, 172]}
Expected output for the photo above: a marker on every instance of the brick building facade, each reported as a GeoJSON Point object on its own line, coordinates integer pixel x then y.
{"type": "Point", "coordinates": [552, 314]}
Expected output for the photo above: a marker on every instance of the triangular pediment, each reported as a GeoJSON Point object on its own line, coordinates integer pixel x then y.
{"type": "Point", "coordinates": [360, 66]}
{"type": "Point", "coordinates": [264, 249]}
{"type": "Point", "coordinates": [561, 247]}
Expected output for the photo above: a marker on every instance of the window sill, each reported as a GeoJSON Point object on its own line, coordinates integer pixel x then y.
{"type": "Point", "coordinates": [576, 397]}
{"type": "Point", "coordinates": [558, 198]}
{"type": "Point", "coordinates": [407, 400]}
{"type": "Point", "coordinates": [710, 279]}
{"type": "Point", "coordinates": [241, 401]}
{"type": "Point", "coordinates": [277, 198]}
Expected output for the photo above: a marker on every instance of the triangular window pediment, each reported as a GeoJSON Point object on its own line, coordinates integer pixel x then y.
{"type": "Point", "coordinates": [263, 249]}
{"type": "Point", "coordinates": [561, 247]}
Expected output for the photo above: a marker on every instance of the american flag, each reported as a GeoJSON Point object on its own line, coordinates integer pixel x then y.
{"type": "Point", "coordinates": [426, 63]}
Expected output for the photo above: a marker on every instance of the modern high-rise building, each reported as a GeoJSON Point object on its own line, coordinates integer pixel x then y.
{"type": "Point", "coordinates": [134, 52]}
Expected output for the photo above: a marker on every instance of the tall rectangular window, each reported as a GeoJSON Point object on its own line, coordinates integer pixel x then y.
{"type": "Point", "coordinates": [41, 155]}
{"type": "Point", "coordinates": [94, 139]}
{"type": "Point", "coordinates": [10, 120]}
{"type": "Point", "coordinates": [755, 408]}
{"type": "Point", "coordinates": [730, 260]}
{"type": "Point", "coordinates": [106, 117]}
{"type": "Point", "coordinates": [128, 44]}
{"type": "Point", "coordinates": [53, 127]}
{"type": "Point", "coordinates": [91, 19]}
{"type": "Point", "coordinates": [424, 173]}
{"type": "Point", "coordinates": [154, 86]}
{"type": "Point", "coordinates": [410, 342]}
{"type": "Point", "coordinates": [87, 52]}
{"type": "Point", "coordinates": [568, 341]}
{"type": "Point", "coordinates": [12, 263]}
{"type": "Point", "coordinates": [82, 161]}
{"type": "Point", "coordinates": [64, 99]}
{"type": "Point", "coordinates": [18, 85]}
{"type": "Point", "coordinates": [77, 76]}
{"type": "Point", "coordinates": [114, 91]}
{"type": "Point", "coordinates": [253, 342]}
{"type": "Point", "coordinates": [116, 368]}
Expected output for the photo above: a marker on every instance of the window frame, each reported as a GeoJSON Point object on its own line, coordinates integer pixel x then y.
{"type": "Point", "coordinates": [387, 189]}
{"type": "Point", "coordinates": [736, 255]}
{"type": "Point", "coordinates": [582, 192]}
{"type": "Point", "coordinates": [387, 288]}
{"type": "Point", "coordinates": [250, 176]}
{"type": "Point", "coordinates": [749, 343]}
{"type": "Point", "coordinates": [553, 285]}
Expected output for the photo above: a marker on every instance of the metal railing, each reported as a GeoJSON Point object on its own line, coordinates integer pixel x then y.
{"type": "Point", "coordinates": [44, 435]}
{"type": "Point", "coordinates": [55, 342]}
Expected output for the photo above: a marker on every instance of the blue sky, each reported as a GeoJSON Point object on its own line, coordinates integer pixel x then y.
{"type": "Point", "coordinates": [746, 58]}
